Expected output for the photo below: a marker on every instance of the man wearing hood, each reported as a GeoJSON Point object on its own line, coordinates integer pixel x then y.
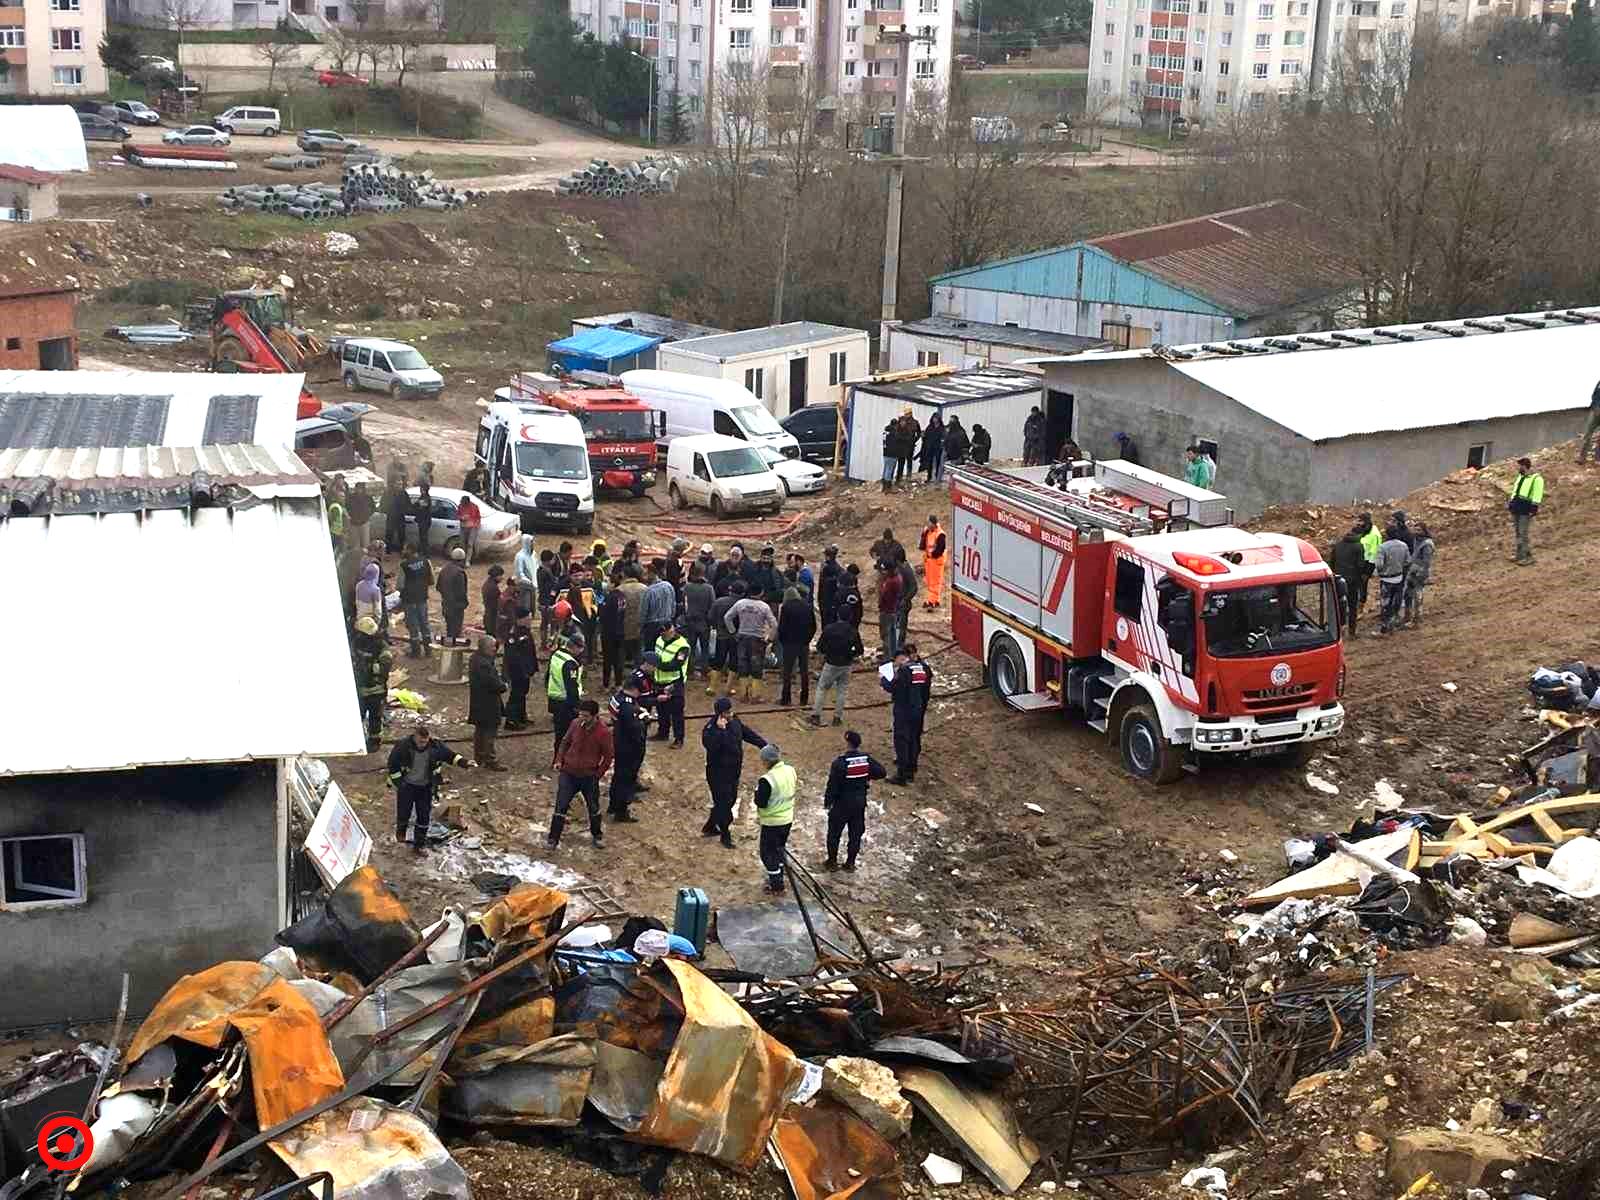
{"type": "Point", "coordinates": [485, 690]}
{"type": "Point", "coordinates": [372, 660]}
{"type": "Point", "coordinates": [982, 444]}
{"type": "Point", "coordinates": [1349, 561]}
{"type": "Point", "coordinates": [956, 442]}
{"type": "Point", "coordinates": [828, 595]}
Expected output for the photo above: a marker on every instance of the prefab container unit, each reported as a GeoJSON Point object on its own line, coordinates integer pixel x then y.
{"type": "Point", "coordinates": [996, 398]}
{"type": "Point", "coordinates": [785, 366]}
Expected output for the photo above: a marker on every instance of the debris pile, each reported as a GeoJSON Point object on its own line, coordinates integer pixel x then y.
{"type": "Point", "coordinates": [365, 187]}
{"type": "Point", "coordinates": [166, 333]}
{"type": "Point", "coordinates": [643, 177]}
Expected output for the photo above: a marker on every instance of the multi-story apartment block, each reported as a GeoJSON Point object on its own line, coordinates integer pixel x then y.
{"type": "Point", "coordinates": [52, 47]}
{"type": "Point", "coordinates": [691, 41]}
{"type": "Point", "coordinates": [1151, 60]}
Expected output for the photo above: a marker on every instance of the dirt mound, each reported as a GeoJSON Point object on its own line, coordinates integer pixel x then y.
{"type": "Point", "coordinates": [399, 241]}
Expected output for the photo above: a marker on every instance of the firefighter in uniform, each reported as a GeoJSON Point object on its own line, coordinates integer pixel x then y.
{"type": "Point", "coordinates": [909, 691]}
{"type": "Point", "coordinates": [845, 800]}
{"type": "Point", "coordinates": [775, 813]}
{"type": "Point", "coordinates": [628, 729]}
{"type": "Point", "coordinates": [672, 670]}
{"type": "Point", "coordinates": [563, 684]}
{"type": "Point", "coordinates": [935, 549]}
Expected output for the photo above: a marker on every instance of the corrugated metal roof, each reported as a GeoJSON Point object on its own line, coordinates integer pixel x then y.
{"type": "Point", "coordinates": [1003, 335]}
{"type": "Point", "coordinates": [1392, 377]}
{"type": "Point", "coordinates": [208, 634]}
{"type": "Point", "coordinates": [145, 408]}
{"type": "Point", "coordinates": [19, 291]}
{"type": "Point", "coordinates": [668, 329]}
{"type": "Point", "coordinates": [958, 387]}
{"type": "Point", "coordinates": [790, 336]}
{"type": "Point", "coordinates": [127, 479]}
{"type": "Point", "coordinates": [1243, 263]}
{"type": "Point", "coordinates": [26, 174]}
{"type": "Point", "coordinates": [47, 137]}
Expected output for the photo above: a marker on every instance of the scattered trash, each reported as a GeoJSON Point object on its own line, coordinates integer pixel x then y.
{"type": "Point", "coordinates": [1318, 784]}
{"type": "Point", "coordinates": [1464, 931]}
{"type": "Point", "coordinates": [1449, 687]}
{"type": "Point", "coordinates": [1384, 798]}
{"type": "Point", "coordinates": [339, 244]}
{"type": "Point", "coordinates": [1211, 1180]}
{"type": "Point", "coordinates": [932, 817]}
{"type": "Point", "coordinates": [1034, 808]}
{"type": "Point", "coordinates": [1227, 856]}
{"type": "Point", "coordinates": [941, 1172]}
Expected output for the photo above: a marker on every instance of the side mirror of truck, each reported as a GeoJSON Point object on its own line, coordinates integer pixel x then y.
{"type": "Point", "coordinates": [1342, 590]}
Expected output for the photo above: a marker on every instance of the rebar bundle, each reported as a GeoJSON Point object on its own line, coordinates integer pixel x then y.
{"type": "Point", "coordinates": [364, 187]}
{"type": "Point", "coordinates": [642, 177]}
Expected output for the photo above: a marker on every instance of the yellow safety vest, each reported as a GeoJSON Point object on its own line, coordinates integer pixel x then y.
{"type": "Point", "coordinates": [665, 652]}
{"type": "Point", "coordinates": [780, 808]}
{"type": "Point", "coordinates": [1370, 541]}
{"type": "Point", "coordinates": [555, 683]}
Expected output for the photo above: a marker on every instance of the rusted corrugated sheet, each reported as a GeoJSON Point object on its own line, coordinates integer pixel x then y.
{"type": "Point", "coordinates": [829, 1153]}
{"type": "Point", "coordinates": [544, 1084]}
{"type": "Point", "coordinates": [1249, 261]}
{"type": "Point", "coordinates": [198, 1006]}
{"type": "Point", "coordinates": [726, 1081]}
{"type": "Point", "coordinates": [524, 914]}
{"type": "Point", "coordinates": [292, 1067]}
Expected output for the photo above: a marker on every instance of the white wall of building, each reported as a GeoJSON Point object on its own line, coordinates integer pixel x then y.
{"type": "Point", "coordinates": [53, 48]}
{"type": "Point", "coordinates": [824, 376]}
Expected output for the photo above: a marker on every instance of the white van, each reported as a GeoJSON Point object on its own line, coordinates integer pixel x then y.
{"type": "Point", "coordinates": [538, 463]}
{"type": "Point", "coordinates": [724, 474]}
{"type": "Point", "coordinates": [249, 119]}
{"type": "Point", "coordinates": [379, 365]}
{"type": "Point", "coordinates": [694, 404]}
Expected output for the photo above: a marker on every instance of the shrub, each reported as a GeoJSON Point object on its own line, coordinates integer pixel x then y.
{"type": "Point", "coordinates": [153, 292]}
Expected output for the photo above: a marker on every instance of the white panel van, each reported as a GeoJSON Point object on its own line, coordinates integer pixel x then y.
{"type": "Point", "coordinates": [724, 474]}
{"type": "Point", "coordinates": [695, 405]}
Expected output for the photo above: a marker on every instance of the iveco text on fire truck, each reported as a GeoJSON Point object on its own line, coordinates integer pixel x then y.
{"type": "Point", "coordinates": [1124, 596]}
{"type": "Point", "coordinates": [621, 430]}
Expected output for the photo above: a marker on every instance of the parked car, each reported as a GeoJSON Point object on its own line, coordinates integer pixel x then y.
{"type": "Point", "coordinates": [340, 79]}
{"type": "Point", "coordinates": [379, 365]}
{"type": "Point", "coordinates": [155, 62]}
{"type": "Point", "coordinates": [798, 478]}
{"type": "Point", "coordinates": [969, 62]}
{"type": "Point", "coordinates": [102, 129]}
{"type": "Point", "coordinates": [249, 119]}
{"type": "Point", "coordinates": [497, 532]}
{"type": "Point", "coordinates": [816, 428]}
{"type": "Point", "coordinates": [724, 474]}
{"type": "Point", "coordinates": [324, 445]}
{"type": "Point", "coordinates": [196, 135]}
{"type": "Point", "coordinates": [326, 139]}
{"type": "Point", "coordinates": [131, 112]}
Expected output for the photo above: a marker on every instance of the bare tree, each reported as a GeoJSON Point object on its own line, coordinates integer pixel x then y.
{"type": "Point", "coordinates": [339, 48]}
{"type": "Point", "coordinates": [738, 123]}
{"type": "Point", "coordinates": [274, 48]}
{"type": "Point", "coordinates": [181, 16]}
{"type": "Point", "coordinates": [792, 99]}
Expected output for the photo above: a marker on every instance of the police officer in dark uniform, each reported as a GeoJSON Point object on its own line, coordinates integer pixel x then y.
{"type": "Point", "coordinates": [909, 690]}
{"type": "Point", "coordinates": [829, 592]}
{"type": "Point", "coordinates": [922, 676]}
{"type": "Point", "coordinates": [522, 667]}
{"type": "Point", "coordinates": [628, 730]}
{"type": "Point", "coordinates": [845, 799]}
{"type": "Point", "coordinates": [724, 738]}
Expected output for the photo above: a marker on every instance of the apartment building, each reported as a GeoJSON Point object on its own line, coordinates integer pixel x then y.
{"type": "Point", "coordinates": [52, 47]}
{"type": "Point", "coordinates": [1152, 60]}
{"type": "Point", "coordinates": [1461, 16]}
{"type": "Point", "coordinates": [690, 41]}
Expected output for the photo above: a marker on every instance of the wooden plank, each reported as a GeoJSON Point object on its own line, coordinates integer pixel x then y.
{"type": "Point", "coordinates": [1583, 803]}
{"type": "Point", "coordinates": [1338, 874]}
{"type": "Point", "coordinates": [1547, 825]}
{"type": "Point", "coordinates": [1530, 930]}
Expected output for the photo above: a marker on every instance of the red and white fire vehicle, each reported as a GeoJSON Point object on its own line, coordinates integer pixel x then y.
{"type": "Point", "coordinates": [621, 430]}
{"type": "Point", "coordinates": [1125, 595]}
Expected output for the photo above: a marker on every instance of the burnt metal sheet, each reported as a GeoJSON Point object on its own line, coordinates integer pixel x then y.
{"type": "Point", "coordinates": [363, 927]}
{"type": "Point", "coordinates": [374, 1151]}
{"type": "Point", "coordinates": [407, 992]}
{"type": "Point", "coordinates": [543, 1084]}
{"type": "Point", "coordinates": [611, 1003]}
{"type": "Point", "coordinates": [725, 1082]}
{"type": "Point", "coordinates": [197, 1007]}
{"type": "Point", "coordinates": [771, 939]}
{"type": "Point", "coordinates": [34, 421]}
{"type": "Point", "coordinates": [979, 1123]}
{"type": "Point", "coordinates": [624, 1085]}
{"type": "Point", "coordinates": [527, 913]}
{"type": "Point", "coordinates": [292, 1067]}
{"type": "Point", "coordinates": [829, 1153]}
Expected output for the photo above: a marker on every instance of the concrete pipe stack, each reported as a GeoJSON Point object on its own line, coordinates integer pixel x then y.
{"type": "Point", "coordinates": [642, 177]}
{"type": "Point", "coordinates": [364, 187]}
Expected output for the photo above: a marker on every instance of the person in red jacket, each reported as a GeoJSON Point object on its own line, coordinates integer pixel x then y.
{"type": "Point", "coordinates": [582, 758]}
{"type": "Point", "coordinates": [889, 589]}
{"type": "Point", "coordinates": [471, 518]}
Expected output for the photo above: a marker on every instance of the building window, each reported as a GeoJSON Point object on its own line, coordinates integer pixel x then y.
{"type": "Point", "coordinates": [1177, 34]}
{"type": "Point", "coordinates": [694, 69]}
{"type": "Point", "coordinates": [64, 5]}
{"type": "Point", "coordinates": [738, 39]}
{"type": "Point", "coordinates": [1199, 38]}
{"type": "Point", "coordinates": [694, 101]}
{"type": "Point", "coordinates": [1264, 11]}
{"type": "Point", "coordinates": [850, 32]}
{"type": "Point", "coordinates": [671, 67]}
{"type": "Point", "coordinates": [1258, 99]}
{"type": "Point", "coordinates": [849, 66]}
{"type": "Point", "coordinates": [1303, 9]}
{"type": "Point", "coordinates": [1398, 8]}
{"type": "Point", "coordinates": [753, 379]}
{"type": "Point", "coordinates": [1133, 86]}
{"type": "Point", "coordinates": [652, 29]}
{"type": "Point", "coordinates": [635, 27]}
{"type": "Point", "coordinates": [1222, 96]}
{"type": "Point", "coordinates": [1259, 70]}
{"type": "Point", "coordinates": [672, 31]}
{"type": "Point", "coordinates": [836, 368]}
{"type": "Point", "coordinates": [1198, 64]}
{"type": "Point", "coordinates": [924, 68]}
{"type": "Point", "coordinates": [1227, 8]}
{"type": "Point", "coordinates": [1478, 456]}
{"type": "Point", "coordinates": [799, 34]}
{"type": "Point", "coordinates": [694, 34]}
{"type": "Point", "coordinates": [1111, 29]}
{"type": "Point", "coordinates": [67, 76]}
{"type": "Point", "coordinates": [1107, 57]}
{"type": "Point", "coordinates": [1138, 31]}
{"type": "Point", "coordinates": [927, 358]}
{"type": "Point", "coordinates": [1288, 68]}
{"type": "Point", "coordinates": [740, 6]}
{"type": "Point", "coordinates": [616, 28]}
{"type": "Point", "coordinates": [1222, 67]}
{"type": "Point", "coordinates": [13, 37]}
{"type": "Point", "coordinates": [43, 870]}
{"type": "Point", "coordinates": [1227, 37]}
{"type": "Point", "coordinates": [929, 34]}
{"type": "Point", "coordinates": [1263, 41]}
{"type": "Point", "coordinates": [1158, 33]}
{"type": "Point", "coordinates": [1294, 37]}
{"type": "Point", "coordinates": [1138, 60]}
{"type": "Point", "coordinates": [928, 6]}
{"type": "Point", "coordinates": [1105, 86]}
{"type": "Point", "coordinates": [777, 35]}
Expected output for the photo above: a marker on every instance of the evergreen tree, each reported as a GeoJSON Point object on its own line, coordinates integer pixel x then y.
{"type": "Point", "coordinates": [120, 53]}
{"type": "Point", "coordinates": [1581, 49]}
{"type": "Point", "coordinates": [675, 126]}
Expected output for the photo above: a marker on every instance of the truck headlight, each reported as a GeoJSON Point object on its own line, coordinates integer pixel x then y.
{"type": "Point", "coordinates": [1329, 722]}
{"type": "Point", "coordinates": [1218, 737]}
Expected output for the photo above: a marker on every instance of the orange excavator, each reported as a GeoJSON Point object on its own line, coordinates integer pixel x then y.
{"type": "Point", "coordinates": [251, 332]}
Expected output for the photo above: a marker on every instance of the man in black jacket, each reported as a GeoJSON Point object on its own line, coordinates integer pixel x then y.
{"type": "Point", "coordinates": [629, 726]}
{"type": "Point", "coordinates": [797, 625]}
{"type": "Point", "coordinates": [484, 691]}
{"type": "Point", "coordinates": [416, 765]}
{"type": "Point", "coordinates": [613, 609]}
{"type": "Point", "coordinates": [416, 576]}
{"type": "Point", "coordinates": [845, 799]}
{"type": "Point", "coordinates": [828, 586]}
{"type": "Point", "coordinates": [840, 646]}
{"type": "Point", "coordinates": [1349, 562]}
{"type": "Point", "coordinates": [522, 667]}
{"type": "Point", "coordinates": [909, 690]}
{"type": "Point", "coordinates": [452, 587]}
{"type": "Point", "coordinates": [724, 738]}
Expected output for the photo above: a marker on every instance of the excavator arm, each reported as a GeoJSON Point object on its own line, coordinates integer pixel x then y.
{"type": "Point", "coordinates": [237, 344]}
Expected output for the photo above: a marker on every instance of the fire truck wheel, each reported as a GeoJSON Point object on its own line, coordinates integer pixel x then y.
{"type": "Point", "coordinates": [1144, 751]}
{"type": "Point", "coordinates": [1007, 675]}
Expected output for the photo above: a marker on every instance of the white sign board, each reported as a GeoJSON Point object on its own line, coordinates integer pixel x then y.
{"type": "Point", "coordinates": [338, 843]}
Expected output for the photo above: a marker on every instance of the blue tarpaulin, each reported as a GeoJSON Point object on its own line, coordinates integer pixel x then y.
{"type": "Point", "coordinates": [610, 350]}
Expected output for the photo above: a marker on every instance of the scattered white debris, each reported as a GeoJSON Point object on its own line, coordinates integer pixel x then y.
{"type": "Point", "coordinates": [1318, 784]}
{"type": "Point", "coordinates": [941, 1171]}
{"type": "Point", "coordinates": [1464, 931]}
{"type": "Point", "coordinates": [1449, 687]}
{"type": "Point", "coordinates": [1210, 1180]}
{"type": "Point", "coordinates": [339, 244]}
{"type": "Point", "coordinates": [932, 817]}
{"type": "Point", "coordinates": [1227, 856]}
{"type": "Point", "coordinates": [1034, 808]}
{"type": "Point", "coordinates": [1385, 798]}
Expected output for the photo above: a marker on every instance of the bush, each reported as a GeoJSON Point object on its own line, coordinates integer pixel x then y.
{"type": "Point", "coordinates": [430, 113]}
{"type": "Point", "coordinates": [373, 310]}
{"type": "Point", "coordinates": [154, 292]}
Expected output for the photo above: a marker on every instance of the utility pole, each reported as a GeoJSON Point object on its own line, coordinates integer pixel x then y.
{"type": "Point", "coordinates": [897, 184]}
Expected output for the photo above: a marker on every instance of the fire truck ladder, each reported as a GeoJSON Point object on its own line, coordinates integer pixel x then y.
{"type": "Point", "coordinates": [1083, 512]}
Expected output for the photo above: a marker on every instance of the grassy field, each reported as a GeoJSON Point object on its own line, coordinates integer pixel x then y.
{"type": "Point", "coordinates": [1053, 90]}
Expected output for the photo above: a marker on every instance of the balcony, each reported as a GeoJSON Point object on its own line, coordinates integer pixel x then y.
{"type": "Point", "coordinates": [882, 83]}
{"type": "Point", "coordinates": [786, 18]}
{"type": "Point", "coordinates": [12, 17]}
{"type": "Point", "coordinates": [784, 55]}
{"type": "Point", "coordinates": [886, 16]}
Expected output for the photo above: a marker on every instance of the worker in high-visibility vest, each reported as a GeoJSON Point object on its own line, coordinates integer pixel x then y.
{"type": "Point", "coordinates": [563, 684]}
{"type": "Point", "coordinates": [775, 812]}
{"type": "Point", "coordinates": [1370, 540]}
{"type": "Point", "coordinates": [672, 670]}
{"type": "Point", "coordinates": [1526, 496]}
{"type": "Point", "coordinates": [935, 552]}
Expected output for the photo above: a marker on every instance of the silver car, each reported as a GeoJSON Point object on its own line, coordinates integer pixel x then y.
{"type": "Point", "coordinates": [497, 532]}
{"type": "Point", "coordinates": [326, 139]}
{"type": "Point", "coordinates": [196, 135]}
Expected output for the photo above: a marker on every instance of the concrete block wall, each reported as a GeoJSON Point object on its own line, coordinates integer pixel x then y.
{"type": "Point", "coordinates": [183, 866]}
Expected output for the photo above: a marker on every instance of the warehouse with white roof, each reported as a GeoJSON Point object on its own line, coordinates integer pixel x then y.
{"type": "Point", "coordinates": [1339, 417]}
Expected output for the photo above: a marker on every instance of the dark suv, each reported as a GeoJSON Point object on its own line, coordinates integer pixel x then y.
{"type": "Point", "coordinates": [102, 129]}
{"type": "Point", "coordinates": [816, 428]}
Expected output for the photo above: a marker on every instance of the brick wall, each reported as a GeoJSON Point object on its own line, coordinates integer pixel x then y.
{"type": "Point", "coordinates": [183, 872]}
{"type": "Point", "coordinates": [25, 321]}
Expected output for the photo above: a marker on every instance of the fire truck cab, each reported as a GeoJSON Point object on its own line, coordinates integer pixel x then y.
{"type": "Point", "coordinates": [1125, 596]}
{"type": "Point", "coordinates": [620, 429]}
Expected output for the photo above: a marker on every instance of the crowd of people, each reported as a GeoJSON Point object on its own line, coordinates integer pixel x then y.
{"type": "Point", "coordinates": [908, 446]}
{"type": "Point", "coordinates": [1400, 558]}
{"type": "Point", "coordinates": [657, 624]}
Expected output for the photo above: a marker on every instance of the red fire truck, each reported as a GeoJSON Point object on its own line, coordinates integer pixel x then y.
{"type": "Point", "coordinates": [1125, 596]}
{"type": "Point", "coordinates": [620, 428]}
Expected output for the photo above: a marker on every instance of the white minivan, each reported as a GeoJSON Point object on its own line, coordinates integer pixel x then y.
{"type": "Point", "coordinates": [724, 474]}
{"type": "Point", "coordinates": [695, 404]}
{"type": "Point", "coordinates": [249, 119]}
{"type": "Point", "coordinates": [538, 463]}
{"type": "Point", "coordinates": [379, 365]}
